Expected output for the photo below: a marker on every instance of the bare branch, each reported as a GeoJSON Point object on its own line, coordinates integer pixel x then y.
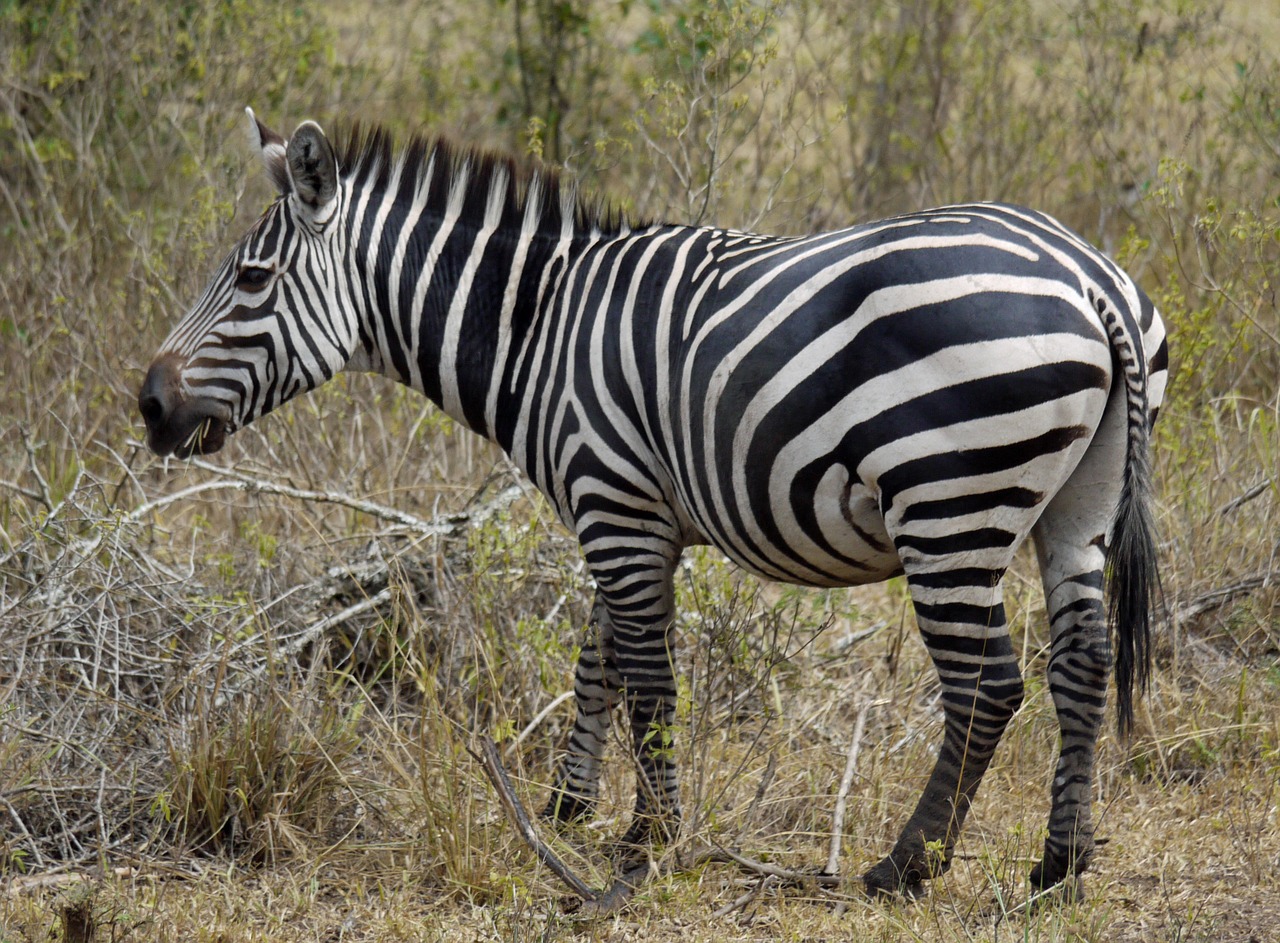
{"type": "Point", "coordinates": [802, 878]}
{"type": "Point", "coordinates": [1220, 597]}
{"type": "Point", "coordinates": [440, 526]}
{"type": "Point", "coordinates": [45, 497]}
{"type": "Point", "coordinates": [1258, 489]}
{"type": "Point", "coordinates": [491, 762]}
{"type": "Point", "coordinates": [25, 492]}
{"type": "Point", "coordinates": [837, 819]}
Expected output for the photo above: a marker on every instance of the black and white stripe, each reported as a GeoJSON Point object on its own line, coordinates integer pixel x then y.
{"type": "Point", "coordinates": [913, 396]}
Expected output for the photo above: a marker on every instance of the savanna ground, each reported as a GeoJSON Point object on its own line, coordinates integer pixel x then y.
{"type": "Point", "coordinates": [236, 696]}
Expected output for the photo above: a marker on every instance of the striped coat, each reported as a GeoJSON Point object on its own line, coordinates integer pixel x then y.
{"type": "Point", "coordinates": [913, 396]}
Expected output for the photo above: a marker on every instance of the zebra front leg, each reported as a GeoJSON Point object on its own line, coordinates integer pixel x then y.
{"type": "Point", "coordinates": [634, 572]}
{"type": "Point", "coordinates": [597, 689]}
{"type": "Point", "coordinates": [648, 679]}
{"type": "Point", "coordinates": [639, 597]}
{"type": "Point", "coordinates": [981, 689]}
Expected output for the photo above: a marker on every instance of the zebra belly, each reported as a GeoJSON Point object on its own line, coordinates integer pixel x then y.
{"type": "Point", "coordinates": [832, 535]}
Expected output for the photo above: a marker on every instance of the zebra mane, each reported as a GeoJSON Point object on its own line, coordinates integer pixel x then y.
{"type": "Point", "coordinates": [369, 154]}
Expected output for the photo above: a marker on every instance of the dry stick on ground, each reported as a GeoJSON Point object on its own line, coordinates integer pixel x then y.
{"type": "Point", "coordinates": [491, 762]}
{"type": "Point", "coordinates": [598, 903]}
{"type": "Point", "coordinates": [741, 901]}
{"type": "Point", "coordinates": [830, 875]}
{"type": "Point", "coordinates": [1260, 488]}
{"type": "Point", "coordinates": [1220, 597]}
{"type": "Point", "coordinates": [592, 903]}
{"type": "Point", "coordinates": [34, 883]}
{"type": "Point", "coordinates": [837, 819]}
{"type": "Point", "coordinates": [764, 869]}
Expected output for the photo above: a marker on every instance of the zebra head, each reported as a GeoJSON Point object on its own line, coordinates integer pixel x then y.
{"type": "Point", "coordinates": [275, 320]}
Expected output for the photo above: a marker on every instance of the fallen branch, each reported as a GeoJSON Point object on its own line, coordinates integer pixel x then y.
{"type": "Point", "coordinates": [741, 901]}
{"type": "Point", "coordinates": [438, 526]}
{"type": "Point", "coordinates": [837, 819]}
{"type": "Point", "coordinates": [28, 883]}
{"type": "Point", "coordinates": [491, 762]}
{"type": "Point", "coordinates": [590, 903]}
{"type": "Point", "coordinates": [801, 878]}
{"type": "Point", "coordinates": [598, 903]}
{"type": "Point", "coordinates": [1260, 488]}
{"type": "Point", "coordinates": [1220, 597]}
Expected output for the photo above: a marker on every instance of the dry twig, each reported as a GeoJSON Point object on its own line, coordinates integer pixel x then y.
{"type": "Point", "coordinates": [491, 762]}
{"type": "Point", "coordinates": [1223, 595]}
{"type": "Point", "coordinates": [799, 878]}
{"type": "Point", "coordinates": [1258, 489]}
{"type": "Point", "coordinates": [846, 781]}
{"type": "Point", "coordinates": [438, 526]}
{"type": "Point", "coordinates": [30, 883]}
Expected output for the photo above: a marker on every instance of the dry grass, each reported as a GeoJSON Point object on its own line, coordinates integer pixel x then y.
{"type": "Point", "coordinates": [235, 698]}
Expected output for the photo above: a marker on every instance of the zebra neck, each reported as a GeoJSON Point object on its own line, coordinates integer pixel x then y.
{"type": "Point", "coordinates": [451, 301]}
{"type": "Point", "coordinates": [456, 258]}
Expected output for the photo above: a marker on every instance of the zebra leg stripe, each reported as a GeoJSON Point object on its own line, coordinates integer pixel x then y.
{"type": "Point", "coordinates": [597, 689]}
{"type": "Point", "coordinates": [639, 598]}
{"type": "Point", "coordinates": [1070, 540]}
{"type": "Point", "coordinates": [645, 663]}
{"type": "Point", "coordinates": [1078, 666]}
{"type": "Point", "coordinates": [981, 689]}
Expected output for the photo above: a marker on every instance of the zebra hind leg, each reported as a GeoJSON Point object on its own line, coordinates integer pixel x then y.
{"type": "Point", "coordinates": [597, 690]}
{"type": "Point", "coordinates": [1069, 541]}
{"type": "Point", "coordinates": [1079, 660]}
{"type": "Point", "coordinates": [961, 617]}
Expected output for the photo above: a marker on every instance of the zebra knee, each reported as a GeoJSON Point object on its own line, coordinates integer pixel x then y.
{"type": "Point", "coordinates": [1005, 696]}
{"type": "Point", "coordinates": [1079, 666]}
{"type": "Point", "coordinates": [997, 692]}
{"type": "Point", "coordinates": [989, 702]}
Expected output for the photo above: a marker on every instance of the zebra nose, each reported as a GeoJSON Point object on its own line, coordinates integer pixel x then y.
{"type": "Point", "coordinates": [159, 396]}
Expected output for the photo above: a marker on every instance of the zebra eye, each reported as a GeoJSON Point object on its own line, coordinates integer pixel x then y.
{"type": "Point", "coordinates": [253, 278]}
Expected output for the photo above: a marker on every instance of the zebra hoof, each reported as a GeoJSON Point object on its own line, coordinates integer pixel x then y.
{"type": "Point", "coordinates": [885, 881]}
{"type": "Point", "coordinates": [564, 808]}
{"type": "Point", "coordinates": [634, 848]}
{"type": "Point", "coordinates": [1055, 869]}
{"type": "Point", "coordinates": [1048, 873]}
{"type": "Point", "coordinates": [1057, 880]}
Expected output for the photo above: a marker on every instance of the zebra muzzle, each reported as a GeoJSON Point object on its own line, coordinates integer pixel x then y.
{"type": "Point", "coordinates": [179, 424]}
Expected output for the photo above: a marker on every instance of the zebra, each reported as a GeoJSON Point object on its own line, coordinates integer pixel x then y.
{"type": "Point", "coordinates": [912, 396]}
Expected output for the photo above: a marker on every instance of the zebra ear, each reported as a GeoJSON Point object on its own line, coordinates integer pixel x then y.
{"type": "Point", "coordinates": [271, 147]}
{"type": "Point", "coordinates": [313, 167]}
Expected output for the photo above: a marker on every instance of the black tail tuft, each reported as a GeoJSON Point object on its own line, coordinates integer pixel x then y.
{"type": "Point", "coordinates": [1133, 579]}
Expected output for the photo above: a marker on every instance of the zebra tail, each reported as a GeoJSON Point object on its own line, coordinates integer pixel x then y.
{"type": "Point", "coordinates": [1133, 577]}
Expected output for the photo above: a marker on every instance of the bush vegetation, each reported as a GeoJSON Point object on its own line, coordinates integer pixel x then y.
{"type": "Point", "coordinates": [264, 673]}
